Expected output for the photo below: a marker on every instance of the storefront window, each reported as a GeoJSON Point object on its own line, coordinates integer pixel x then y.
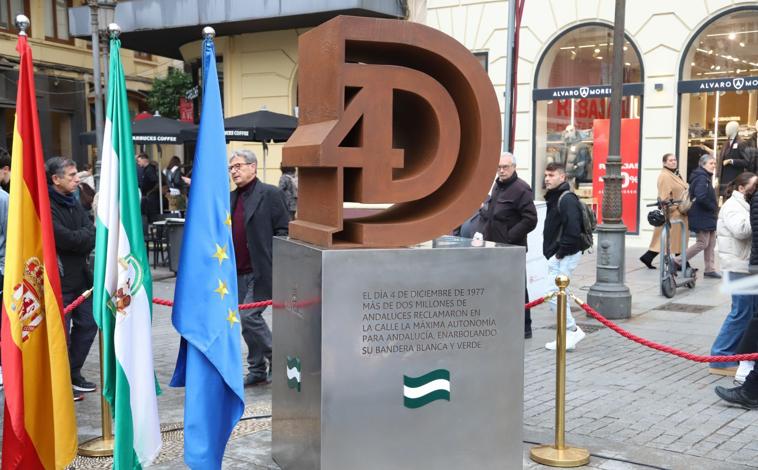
{"type": "Point", "coordinates": [572, 94]}
{"type": "Point", "coordinates": [720, 86]}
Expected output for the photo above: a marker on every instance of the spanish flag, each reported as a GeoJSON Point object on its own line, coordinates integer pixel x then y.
{"type": "Point", "coordinates": [39, 426]}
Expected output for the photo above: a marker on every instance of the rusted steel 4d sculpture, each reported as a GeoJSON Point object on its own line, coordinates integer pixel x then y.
{"type": "Point", "coordinates": [390, 112]}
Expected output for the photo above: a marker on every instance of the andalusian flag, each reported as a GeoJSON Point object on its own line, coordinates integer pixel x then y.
{"type": "Point", "coordinates": [39, 427]}
{"type": "Point", "coordinates": [123, 288]}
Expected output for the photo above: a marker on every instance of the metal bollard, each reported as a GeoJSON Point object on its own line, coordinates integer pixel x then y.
{"type": "Point", "coordinates": [559, 455]}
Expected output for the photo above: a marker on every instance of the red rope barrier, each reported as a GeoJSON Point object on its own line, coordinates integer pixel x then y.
{"type": "Point", "coordinates": [77, 302]}
{"type": "Point", "coordinates": [661, 347]}
{"type": "Point", "coordinates": [590, 311]}
{"type": "Point", "coordinates": [539, 301]}
{"type": "Point", "coordinates": [263, 303]}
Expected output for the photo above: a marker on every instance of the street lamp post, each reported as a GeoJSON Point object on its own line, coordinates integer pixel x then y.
{"type": "Point", "coordinates": [609, 294]}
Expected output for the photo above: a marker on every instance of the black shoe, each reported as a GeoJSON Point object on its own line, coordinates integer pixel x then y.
{"type": "Point", "coordinates": [528, 334]}
{"type": "Point", "coordinates": [78, 396]}
{"type": "Point", "coordinates": [712, 275]}
{"type": "Point", "coordinates": [256, 380]}
{"type": "Point", "coordinates": [80, 384]}
{"type": "Point", "coordinates": [737, 396]}
{"type": "Point", "coordinates": [647, 259]}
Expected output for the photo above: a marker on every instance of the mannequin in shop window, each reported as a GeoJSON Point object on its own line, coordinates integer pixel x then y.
{"type": "Point", "coordinates": [575, 156]}
{"type": "Point", "coordinates": [732, 156]}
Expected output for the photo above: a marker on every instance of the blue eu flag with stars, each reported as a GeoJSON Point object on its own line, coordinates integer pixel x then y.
{"type": "Point", "coordinates": [205, 313]}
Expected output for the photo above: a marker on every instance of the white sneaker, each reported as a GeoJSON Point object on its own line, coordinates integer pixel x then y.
{"type": "Point", "coordinates": [743, 370]}
{"type": "Point", "coordinates": [572, 338]}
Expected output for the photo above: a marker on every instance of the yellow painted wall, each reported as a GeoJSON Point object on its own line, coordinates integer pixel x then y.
{"type": "Point", "coordinates": [260, 69]}
{"type": "Point", "coordinates": [78, 55]}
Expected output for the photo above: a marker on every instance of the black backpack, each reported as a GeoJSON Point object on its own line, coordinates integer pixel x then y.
{"type": "Point", "coordinates": [589, 222]}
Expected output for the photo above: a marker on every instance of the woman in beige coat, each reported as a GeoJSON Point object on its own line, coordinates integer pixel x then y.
{"type": "Point", "coordinates": [670, 185]}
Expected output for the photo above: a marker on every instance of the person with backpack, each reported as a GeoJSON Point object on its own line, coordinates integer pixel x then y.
{"type": "Point", "coordinates": [703, 215]}
{"type": "Point", "coordinates": [564, 239]}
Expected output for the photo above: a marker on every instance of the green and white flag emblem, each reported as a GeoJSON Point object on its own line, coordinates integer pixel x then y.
{"type": "Point", "coordinates": [293, 372]}
{"type": "Point", "coordinates": [123, 288]}
{"type": "Point", "coordinates": [420, 391]}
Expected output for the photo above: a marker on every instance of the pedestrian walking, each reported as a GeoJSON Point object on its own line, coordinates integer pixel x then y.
{"type": "Point", "coordinates": [561, 240]}
{"type": "Point", "coordinates": [74, 235]}
{"type": "Point", "coordinates": [288, 185]}
{"type": "Point", "coordinates": [670, 186]}
{"type": "Point", "coordinates": [259, 214]}
{"type": "Point", "coordinates": [511, 215]}
{"type": "Point", "coordinates": [746, 393]}
{"type": "Point", "coordinates": [147, 179]}
{"type": "Point", "coordinates": [734, 234]}
{"type": "Point", "coordinates": [703, 215]}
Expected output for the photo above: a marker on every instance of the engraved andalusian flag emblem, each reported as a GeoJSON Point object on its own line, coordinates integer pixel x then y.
{"type": "Point", "coordinates": [419, 391]}
{"type": "Point", "coordinates": [293, 372]}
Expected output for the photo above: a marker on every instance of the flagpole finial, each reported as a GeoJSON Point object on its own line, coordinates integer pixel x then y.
{"type": "Point", "coordinates": [114, 30]}
{"type": "Point", "coordinates": [209, 33]}
{"type": "Point", "coordinates": [22, 23]}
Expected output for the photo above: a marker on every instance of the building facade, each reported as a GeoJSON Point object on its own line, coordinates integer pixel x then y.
{"type": "Point", "coordinates": [63, 76]}
{"type": "Point", "coordinates": [256, 47]}
{"type": "Point", "coordinates": [689, 69]}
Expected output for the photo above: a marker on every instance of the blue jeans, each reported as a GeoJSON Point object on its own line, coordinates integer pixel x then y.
{"type": "Point", "coordinates": [734, 325]}
{"type": "Point", "coordinates": [565, 265]}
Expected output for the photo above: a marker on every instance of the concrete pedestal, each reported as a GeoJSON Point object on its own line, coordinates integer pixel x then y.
{"type": "Point", "coordinates": [398, 358]}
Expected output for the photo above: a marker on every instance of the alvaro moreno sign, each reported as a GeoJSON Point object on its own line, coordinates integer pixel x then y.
{"type": "Point", "coordinates": [719, 84]}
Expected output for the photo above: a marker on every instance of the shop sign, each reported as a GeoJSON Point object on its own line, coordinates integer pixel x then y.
{"type": "Point", "coordinates": [719, 84]}
{"type": "Point", "coordinates": [595, 91]}
{"type": "Point", "coordinates": [630, 160]}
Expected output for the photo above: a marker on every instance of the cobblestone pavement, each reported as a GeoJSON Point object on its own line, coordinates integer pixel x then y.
{"type": "Point", "coordinates": [632, 407]}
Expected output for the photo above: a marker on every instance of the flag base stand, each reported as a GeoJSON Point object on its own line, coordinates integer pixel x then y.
{"type": "Point", "coordinates": [97, 447]}
{"type": "Point", "coordinates": [100, 446]}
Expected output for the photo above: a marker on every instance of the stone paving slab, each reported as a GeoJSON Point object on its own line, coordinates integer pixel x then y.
{"type": "Point", "coordinates": [632, 407]}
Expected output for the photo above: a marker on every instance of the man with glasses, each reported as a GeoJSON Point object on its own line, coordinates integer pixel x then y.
{"type": "Point", "coordinates": [259, 213]}
{"type": "Point", "coordinates": [510, 214]}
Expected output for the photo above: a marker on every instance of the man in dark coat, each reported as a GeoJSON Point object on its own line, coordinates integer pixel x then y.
{"type": "Point", "coordinates": [511, 215]}
{"type": "Point", "coordinates": [147, 179]}
{"type": "Point", "coordinates": [259, 213]}
{"type": "Point", "coordinates": [561, 240]}
{"type": "Point", "coordinates": [74, 241]}
{"type": "Point", "coordinates": [703, 214]}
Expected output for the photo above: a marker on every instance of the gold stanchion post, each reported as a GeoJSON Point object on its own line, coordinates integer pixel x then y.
{"type": "Point", "coordinates": [100, 446]}
{"type": "Point", "coordinates": [559, 455]}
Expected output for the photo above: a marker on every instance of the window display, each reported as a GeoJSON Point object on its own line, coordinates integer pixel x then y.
{"type": "Point", "coordinates": [573, 91]}
{"type": "Point", "coordinates": [719, 95]}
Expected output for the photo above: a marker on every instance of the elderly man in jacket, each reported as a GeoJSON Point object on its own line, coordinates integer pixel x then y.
{"type": "Point", "coordinates": [259, 213]}
{"type": "Point", "coordinates": [510, 215]}
{"type": "Point", "coordinates": [74, 241]}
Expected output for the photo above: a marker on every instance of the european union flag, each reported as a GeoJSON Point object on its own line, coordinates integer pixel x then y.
{"type": "Point", "coordinates": [209, 365]}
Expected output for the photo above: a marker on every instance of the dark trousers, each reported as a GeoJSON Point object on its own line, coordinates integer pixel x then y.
{"type": "Point", "coordinates": [81, 329]}
{"type": "Point", "coordinates": [750, 387]}
{"type": "Point", "coordinates": [528, 311]}
{"type": "Point", "coordinates": [255, 331]}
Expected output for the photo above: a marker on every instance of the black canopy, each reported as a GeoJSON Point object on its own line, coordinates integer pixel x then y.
{"type": "Point", "coordinates": [154, 130]}
{"type": "Point", "coordinates": [258, 126]}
